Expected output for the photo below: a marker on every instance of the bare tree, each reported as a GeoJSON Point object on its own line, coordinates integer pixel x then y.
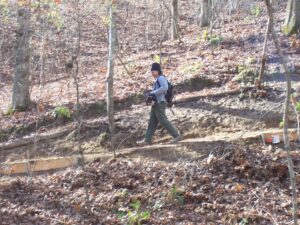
{"type": "Point", "coordinates": [263, 59]}
{"type": "Point", "coordinates": [205, 11]}
{"type": "Point", "coordinates": [21, 96]}
{"type": "Point", "coordinates": [292, 21]}
{"type": "Point", "coordinates": [110, 71]}
{"type": "Point", "coordinates": [175, 19]}
{"type": "Point", "coordinates": [286, 109]}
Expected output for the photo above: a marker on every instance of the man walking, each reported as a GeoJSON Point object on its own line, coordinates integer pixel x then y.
{"type": "Point", "coordinates": [158, 109]}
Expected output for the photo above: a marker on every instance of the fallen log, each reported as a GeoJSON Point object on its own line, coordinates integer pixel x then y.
{"type": "Point", "coordinates": [32, 138]}
{"type": "Point", "coordinates": [219, 94]}
{"type": "Point", "coordinates": [27, 140]}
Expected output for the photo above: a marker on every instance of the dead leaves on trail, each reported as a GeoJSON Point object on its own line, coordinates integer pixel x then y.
{"type": "Point", "coordinates": [171, 193]}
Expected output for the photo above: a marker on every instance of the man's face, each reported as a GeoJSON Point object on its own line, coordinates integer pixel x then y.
{"type": "Point", "coordinates": [154, 73]}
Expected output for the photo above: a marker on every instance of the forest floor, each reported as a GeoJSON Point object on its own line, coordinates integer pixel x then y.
{"type": "Point", "coordinates": [205, 179]}
{"type": "Point", "coordinates": [217, 179]}
{"type": "Point", "coordinates": [237, 184]}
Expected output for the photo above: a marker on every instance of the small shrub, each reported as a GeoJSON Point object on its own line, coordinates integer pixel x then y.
{"type": "Point", "coordinates": [215, 40]}
{"type": "Point", "coordinates": [256, 10]}
{"type": "Point", "coordinates": [245, 76]}
{"type": "Point", "coordinates": [211, 38]}
{"type": "Point", "coordinates": [9, 112]}
{"type": "Point", "coordinates": [135, 216]}
{"type": "Point", "coordinates": [61, 112]}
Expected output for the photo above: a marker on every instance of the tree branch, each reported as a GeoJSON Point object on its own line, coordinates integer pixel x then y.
{"type": "Point", "coordinates": [286, 109]}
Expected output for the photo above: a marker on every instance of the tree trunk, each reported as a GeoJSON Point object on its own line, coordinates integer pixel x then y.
{"type": "Point", "coordinates": [205, 11]}
{"type": "Point", "coordinates": [175, 20]}
{"type": "Point", "coordinates": [286, 110]}
{"type": "Point", "coordinates": [21, 96]}
{"type": "Point", "coordinates": [292, 21]}
{"type": "Point", "coordinates": [110, 71]}
{"type": "Point", "coordinates": [264, 59]}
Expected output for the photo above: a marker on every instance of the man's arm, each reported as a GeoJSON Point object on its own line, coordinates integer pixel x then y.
{"type": "Point", "coordinates": [163, 86]}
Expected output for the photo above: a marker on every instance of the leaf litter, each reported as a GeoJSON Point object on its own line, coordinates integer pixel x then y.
{"type": "Point", "coordinates": [240, 184]}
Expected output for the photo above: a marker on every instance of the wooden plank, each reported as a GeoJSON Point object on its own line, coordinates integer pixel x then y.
{"type": "Point", "coordinates": [54, 163]}
{"type": "Point", "coordinates": [38, 165]}
{"type": "Point", "coordinates": [47, 164]}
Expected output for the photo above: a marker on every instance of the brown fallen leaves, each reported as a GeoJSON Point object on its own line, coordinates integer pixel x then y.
{"type": "Point", "coordinates": [243, 183]}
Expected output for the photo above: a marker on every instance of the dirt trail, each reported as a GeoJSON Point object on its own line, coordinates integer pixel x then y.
{"type": "Point", "coordinates": [206, 123]}
{"type": "Point", "coordinates": [188, 149]}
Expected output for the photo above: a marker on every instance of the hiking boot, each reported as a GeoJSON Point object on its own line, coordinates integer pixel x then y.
{"type": "Point", "coordinates": [175, 140]}
{"type": "Point", "coordinates": [143, 142]}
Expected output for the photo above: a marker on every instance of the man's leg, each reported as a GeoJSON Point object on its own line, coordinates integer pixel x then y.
{"type": "Point", "coordinates": [160, 112]}
{"type": "Point", "coordinates": [152, 124]}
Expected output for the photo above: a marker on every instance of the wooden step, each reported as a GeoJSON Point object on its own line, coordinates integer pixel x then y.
{"type": "Point", "coordinates": [46, 164]}
{"type": "Point", "coordinates": [55, 163]}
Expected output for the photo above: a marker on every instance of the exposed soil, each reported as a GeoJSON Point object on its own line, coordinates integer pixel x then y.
{"type": "Point", "coordinates": [206, 116]}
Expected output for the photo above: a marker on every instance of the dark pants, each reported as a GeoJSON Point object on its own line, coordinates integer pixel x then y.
{"type": "Point", "coordinates": [158, 115]}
